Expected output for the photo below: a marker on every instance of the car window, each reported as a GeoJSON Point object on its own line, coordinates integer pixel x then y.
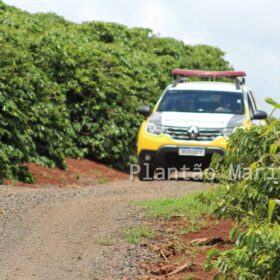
{"type": "Point", "coordinates": [251, 96]}
{"type": "Point", "coordinates": [196, 101]}
{"type": "Point", "coordinates": [251, 104]}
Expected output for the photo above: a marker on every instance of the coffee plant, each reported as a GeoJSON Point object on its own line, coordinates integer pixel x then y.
{"type": "Point", "coordinates": [256, 255]}
{"type": "Point", "coordinates": [250, 171]}
{"type": "Point", "coordinates": [252, 197]}
{"type": "Point", "coordinates": [72, 90]}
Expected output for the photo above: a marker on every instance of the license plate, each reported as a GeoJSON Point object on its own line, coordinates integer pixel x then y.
{"type": "Point", "coordinates": [192, 151]}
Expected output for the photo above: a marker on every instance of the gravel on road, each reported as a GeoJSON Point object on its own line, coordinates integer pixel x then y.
{"type": "Point", "coordinates": [61, 233]}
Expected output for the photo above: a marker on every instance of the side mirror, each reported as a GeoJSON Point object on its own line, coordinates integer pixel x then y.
{"type": "Point", "coordinates": [144, 110]}
{"type": "Point", "coordinates": [259, 115]}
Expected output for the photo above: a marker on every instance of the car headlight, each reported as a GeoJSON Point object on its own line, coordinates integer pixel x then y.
{"type": "Point", "coordinates": [154, 129]}
{"type": "Point", "coordinates": [228, 131]}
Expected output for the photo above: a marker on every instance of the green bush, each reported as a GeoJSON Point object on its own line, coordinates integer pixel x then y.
{"type": "Point", "coordinates": [73, 89]}
{"type": "Point", "coordinates": [247, 201]}
{"type": "Point", "coordinates": [253, 198]}
{"type": "Point", "coordinates": [250, 170]}
{"type": "Point", "coordinates": [256, 255]}
{"type": "Point", "coordinates": [245, 147]}
{"type": "Point", "coordinates": [35, 124]}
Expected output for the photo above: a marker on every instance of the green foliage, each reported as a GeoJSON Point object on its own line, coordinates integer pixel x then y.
{"type": "Point", "coordinates": [73, 89]}
{"type": "Point", "coordinates": [270, 119]}
{"type": "Point", "coordinates": [271, 208]}
{"type": "Point", "coordinates": [272, 102]}
{"type": "Point", "coordinates": [256, 255]}
{"type": "Point", "coordinates": [136, 234]}
{"type": "Point", "coordinates": [192, 206]}
{"type": "Point", "coordinates": [250, 170]}
{"type": "Point", "coordinates": [247, 146]}
{"type": "Point", "coordinates": [251, 197]}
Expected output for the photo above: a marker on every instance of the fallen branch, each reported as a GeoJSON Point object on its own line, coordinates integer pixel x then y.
{"type": "Point", "coordinates": [208, 241]}
{"type": "Point", "coordinates": [181, 268]}
{"type": "Point", "coordinates": [163, 255]}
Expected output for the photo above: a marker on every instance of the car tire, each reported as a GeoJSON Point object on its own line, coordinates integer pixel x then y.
{"type": "Point", "coordinates": [164, 176]}
{"type": "Point", "coordinates": [145, 174]}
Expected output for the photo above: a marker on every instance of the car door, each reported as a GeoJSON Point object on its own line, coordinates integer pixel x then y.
{"type": "Point", "coordinates": [252, 108]}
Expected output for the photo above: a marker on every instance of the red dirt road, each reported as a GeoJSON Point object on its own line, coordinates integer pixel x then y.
{"type": "Point", "coordinates": [76, 233]}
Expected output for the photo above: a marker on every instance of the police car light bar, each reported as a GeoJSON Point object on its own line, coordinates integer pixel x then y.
{"type": "Point", "coordinates": [208, 74]}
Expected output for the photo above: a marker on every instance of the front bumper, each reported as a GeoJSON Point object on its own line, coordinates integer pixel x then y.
{"type": "Point", "coordinates": [163, 150]}
{"type": "Point", "coordinates": [168, 156]}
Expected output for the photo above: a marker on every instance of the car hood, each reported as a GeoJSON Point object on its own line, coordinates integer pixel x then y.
{"type": "Point", "coordinates": [201, 120]}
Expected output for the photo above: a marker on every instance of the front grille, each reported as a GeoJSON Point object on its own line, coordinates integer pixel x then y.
{"type": "Point", "coordinates": [205, 134]}
{"type": "Point", "coordinates": [174, 160]}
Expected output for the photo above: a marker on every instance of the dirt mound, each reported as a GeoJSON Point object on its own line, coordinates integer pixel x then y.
{"type": "Point", "coordinates": [182, 255]}
{"type": "Point", "coordinates": [79, 173]}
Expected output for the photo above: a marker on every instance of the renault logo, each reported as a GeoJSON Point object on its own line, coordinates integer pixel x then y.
{"type": "Point", "coordinates": [193, 132]}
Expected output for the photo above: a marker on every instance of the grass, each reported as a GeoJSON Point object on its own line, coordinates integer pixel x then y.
{"type": "Point", "coordinates": [194, 225]}
{"type": "Point", "coordinates": [192, 251]}
{"type": "Point", "coordinates": [136, 234]}
{"type": "Point", "coordinates": [100, 177]}
{"type": "Point", "coordinates": [191, 206]}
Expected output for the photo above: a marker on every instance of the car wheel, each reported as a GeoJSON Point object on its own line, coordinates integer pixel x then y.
{"type": "Point", "coordinates": [163, 175]}
{"type": "Point", "coordinates": [146, 173]}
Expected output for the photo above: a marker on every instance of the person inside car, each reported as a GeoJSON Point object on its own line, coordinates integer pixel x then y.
{"type": "Point", "coordinates": [226, 105]}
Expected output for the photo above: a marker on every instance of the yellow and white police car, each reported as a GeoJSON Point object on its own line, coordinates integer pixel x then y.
{"type": "Point", "coordinates": [193, 119]}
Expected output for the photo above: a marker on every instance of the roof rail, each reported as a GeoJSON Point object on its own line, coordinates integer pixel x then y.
{"type": "Point", "coordinates": [178, 74]}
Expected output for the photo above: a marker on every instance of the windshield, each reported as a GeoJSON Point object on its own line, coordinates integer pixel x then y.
{"type": "Point", "coordinates": [196, 101]}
